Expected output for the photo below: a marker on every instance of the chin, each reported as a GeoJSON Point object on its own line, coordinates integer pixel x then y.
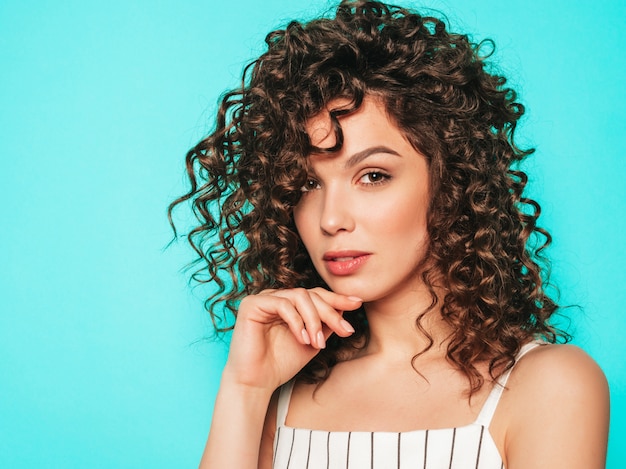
{"type": "Point", "coordinates": [365, 292]}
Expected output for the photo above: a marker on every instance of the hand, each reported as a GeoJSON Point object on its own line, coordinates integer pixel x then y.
{"type": "Point", "coordinates": [277, 332]}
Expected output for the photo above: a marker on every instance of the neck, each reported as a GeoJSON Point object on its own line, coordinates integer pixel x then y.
{"type": "Point", "coordinates": [394, 330]}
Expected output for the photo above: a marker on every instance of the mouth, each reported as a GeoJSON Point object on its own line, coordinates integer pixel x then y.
{"type": "Point", "coordinates": [341, 256]}
{"type": "Point", "coordinates": [345, 262]}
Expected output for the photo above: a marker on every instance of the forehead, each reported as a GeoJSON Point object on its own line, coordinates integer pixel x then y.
{"type": "Point", "coordinates": [369, 120]}
{"type": "Point", "coordinates": [320, 127]}
{"type": "Point", "coordinates": [367, 132]}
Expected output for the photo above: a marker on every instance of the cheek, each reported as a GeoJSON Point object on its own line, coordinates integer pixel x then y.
{"type": "Point", "coordinates": [404, 227]}
{"type": "Point", "coordinates": [303, 223]}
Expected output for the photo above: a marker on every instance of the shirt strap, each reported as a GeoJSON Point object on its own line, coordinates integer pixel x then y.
{"type": "Point", "coordinates": [284, 396]}
{"type": "Point", "coordinates": [489, 407]}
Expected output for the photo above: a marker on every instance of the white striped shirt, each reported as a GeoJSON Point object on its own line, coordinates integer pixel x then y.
{"type": "Point", "coordinates": [467, 447]}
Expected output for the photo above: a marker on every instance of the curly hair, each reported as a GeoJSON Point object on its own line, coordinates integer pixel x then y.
{"type": "Point", "coordinates": [485, 248]}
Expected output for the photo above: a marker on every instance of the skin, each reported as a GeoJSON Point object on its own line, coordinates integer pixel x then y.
{"type": "Point", "coordinates": [371, 198]}
{"type": "Point", "coordinates": [554, 412]}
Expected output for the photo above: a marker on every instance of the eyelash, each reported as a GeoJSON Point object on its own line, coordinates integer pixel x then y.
{"type": "Point", "coordinates": [306, 188]}
{"type": "Point", "coordinates": [383, 177]}
{"type": "Point", "coordinates": [311, 184]}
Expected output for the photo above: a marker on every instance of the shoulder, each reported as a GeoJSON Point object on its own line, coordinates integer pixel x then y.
{"type": "Point", "coordinates": [557, 400]}
{"type": "Point", "coordinates": [552, 380]}
{"type": "Point", "coordinates": [564, 370]}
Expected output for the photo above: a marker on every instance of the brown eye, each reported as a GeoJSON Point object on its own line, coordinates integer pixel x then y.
{"type": "Point", "coordinates": [374, 177]}
{"type": "Point", "coordinates": [309, 185]}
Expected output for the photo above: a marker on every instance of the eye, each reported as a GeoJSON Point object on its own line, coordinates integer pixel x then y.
{"type": "Point", "coordinates": [309, 185]}
{"type": "Point", "coordinates": [374, 177]}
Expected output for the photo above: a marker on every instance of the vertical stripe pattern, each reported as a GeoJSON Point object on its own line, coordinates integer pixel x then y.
{"type": "Point", "coordinates": [276, 443]}
{"type": "Point", "coordinates": [308, 452]}
{"type": "Point", "coordinates": [372, 451]}
{"type": "Point", "coordinates": [480, 443]}
{"type": "Point", "coordinates": [452, 448]}
{"type": "Point", "coordinates": [398, 454]}
{"type": "Point", "coordinates": [468, 447]}
{"type": "Point", "coordinates": [293, 437]}
{"type": "Point", "coordinates": [328, 451]}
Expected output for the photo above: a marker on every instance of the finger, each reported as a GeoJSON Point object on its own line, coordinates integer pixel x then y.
{"type": "Point", "coordinates": [332, 318]}
{"type": "Point", "coordinates": [307, 309]}
{"type": "Point", "coordinates": [337, 301]}
{"type": "Point", "coordinates": [265, 309]}
{"type": "Point", "coordinates": [330, 307]}
{"type": "Point", "coordinates": [316, 307]}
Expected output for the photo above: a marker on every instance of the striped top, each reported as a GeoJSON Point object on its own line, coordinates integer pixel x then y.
{"type": "Point", "coordinates": [467, 447]}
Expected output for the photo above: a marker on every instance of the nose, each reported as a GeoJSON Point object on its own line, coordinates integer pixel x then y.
{"type": "Point", "coordinates": [337, 213]}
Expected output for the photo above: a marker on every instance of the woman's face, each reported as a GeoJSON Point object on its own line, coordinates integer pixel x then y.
{"type": "Point", "coordinates": [362, 216]}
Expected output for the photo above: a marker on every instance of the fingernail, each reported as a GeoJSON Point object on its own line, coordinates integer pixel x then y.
{"type": "Point", "coordinates": [346, 326]}
{"type": "Point", "coordinates": [305, 337]}
{"type": "Point", "coordinates": [321, 342]}
{"type": "Point", "coordinates": [355, 298]}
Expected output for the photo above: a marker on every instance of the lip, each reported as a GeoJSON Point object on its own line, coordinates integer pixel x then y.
{"type": "Point", "coordinates": [345, 262]}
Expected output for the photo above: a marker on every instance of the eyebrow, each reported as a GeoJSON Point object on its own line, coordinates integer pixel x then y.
{"type": "Point", "coordinates": [363, 154]}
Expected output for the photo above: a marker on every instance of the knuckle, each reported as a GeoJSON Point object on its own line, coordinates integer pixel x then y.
{"type": "Point", "coordinates": [283, 303]}
{"type": "Point", "coordinates": [243, 304]}
{"type": "Point", "coordinates": [316, 296]}
{"type": "Point", "coordinates": [300, 291]}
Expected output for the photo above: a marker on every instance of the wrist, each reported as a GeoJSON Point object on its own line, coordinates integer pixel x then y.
{"type": "Point", "coordinates": [235, 385]}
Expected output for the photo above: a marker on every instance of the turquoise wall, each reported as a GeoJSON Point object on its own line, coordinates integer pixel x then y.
{"type": "Point", "coordinates": [100, 364]}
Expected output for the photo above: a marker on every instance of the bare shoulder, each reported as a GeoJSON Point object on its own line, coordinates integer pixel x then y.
{"type": "Point", "coordinates": [557, 401]}
{"type": "Point", "coordinates": [562, 370]}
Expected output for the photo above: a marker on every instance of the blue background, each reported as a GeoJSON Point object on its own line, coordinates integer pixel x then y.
{"type": "Point", "coordinates": [100, 359]}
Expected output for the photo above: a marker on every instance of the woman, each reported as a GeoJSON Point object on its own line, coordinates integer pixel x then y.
{"type": "Point", "coordinates": [383, 265]}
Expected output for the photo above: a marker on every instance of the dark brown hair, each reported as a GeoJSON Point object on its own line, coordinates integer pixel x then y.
{"type": "Point", "coordinates": [485, 247]}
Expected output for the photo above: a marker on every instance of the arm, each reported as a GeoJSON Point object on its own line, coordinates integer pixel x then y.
{"type": "Point", "coordinates": [266, 452]}
{"type": "Point", "coordinates": [236, 427]}
{"type": "Point", "coordinates": [559, 411]}
{"type": "Point", "coordinates": [276, 333]}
